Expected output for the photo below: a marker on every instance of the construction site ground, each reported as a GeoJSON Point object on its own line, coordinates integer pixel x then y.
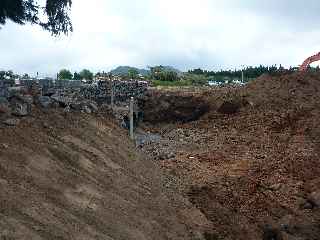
{"type": "Point", "coordinates": [231, 162]}
{"type": "Point", "coordinates": [253, 171]}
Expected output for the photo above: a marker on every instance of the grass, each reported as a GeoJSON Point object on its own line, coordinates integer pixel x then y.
{"type": "Point", "coordinates": [180, 83]}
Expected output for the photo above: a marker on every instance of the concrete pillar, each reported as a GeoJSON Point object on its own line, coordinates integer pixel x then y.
{"type": "Point", "coordinates": [112, 95]}
{"type": "Point", "coordinates": [131, 117]}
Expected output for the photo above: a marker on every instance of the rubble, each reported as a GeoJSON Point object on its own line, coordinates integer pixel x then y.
{"type": "Point", "coordinates": [45, 101]}
{"type": "Point", "coordinates": [4, 105]}
{"type": "Point", "coordinates": [314, 199]}
{"type": "Point", "coordinates": [11, 122]}
{"type": "Point", "coordinates": [20, 109]}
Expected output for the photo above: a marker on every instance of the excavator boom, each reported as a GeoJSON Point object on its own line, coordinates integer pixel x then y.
{"type": "Point", "coordinates": [308, 61]}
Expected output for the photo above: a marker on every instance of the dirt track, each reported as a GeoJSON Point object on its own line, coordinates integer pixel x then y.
{"type": "Point", "coordinates": [251, 173]}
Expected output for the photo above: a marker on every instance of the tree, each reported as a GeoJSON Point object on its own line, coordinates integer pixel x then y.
{"type": "Point", "coordinates": [163, 74]}
{"type": "Point", "coordinates": [76, 76]}
{"type": "Point", "coordinates": [65, 74]}
{"type": "Point", "coordinates": [56, 13]}
{"type": "Point", "coordinates": [26, 76]}
{"type": "Point", "coordinates": [133, 73]}
{"type": "Point", "coordinates": [86, 74]}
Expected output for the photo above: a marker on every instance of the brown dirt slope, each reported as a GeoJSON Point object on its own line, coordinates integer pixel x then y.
{"type": "Point", "coordinates": [255, 174]}
{"type": "Point", "coordinates": [77, 176]}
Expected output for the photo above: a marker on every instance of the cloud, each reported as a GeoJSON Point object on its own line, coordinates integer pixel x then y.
{"type": "Point", "coordinates": [211, 34]}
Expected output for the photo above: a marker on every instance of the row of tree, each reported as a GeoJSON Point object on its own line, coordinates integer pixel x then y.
{"type": "Point", "coordinates": [161, 73]}
{"type": "Point", "coordinates": [65, 74]}
{"type": "Point", "coordinates": [249, 72]}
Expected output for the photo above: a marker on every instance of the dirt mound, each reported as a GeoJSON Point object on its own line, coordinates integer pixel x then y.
{"type": "Point", "coordinates": [255, 173]}
{"type": "Point", "coordinates": [161, 107]}
{"type": "Point", "coordinates": [76, 176]}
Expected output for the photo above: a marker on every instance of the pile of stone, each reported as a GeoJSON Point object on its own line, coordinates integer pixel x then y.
{"type": "Point", "coordinates": [69, 101]}
{"type": "Point", "coordinates": [19, 102]}
{"type": "Point", "coordinates": [122, 91]}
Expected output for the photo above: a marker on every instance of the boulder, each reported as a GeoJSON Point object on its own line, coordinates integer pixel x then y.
{"type": "Point", "coordinates": [93, 106]}
{"type": "Point", "coordinates": [76, 106]}
{"type": "Point", "coordinates": [4, 105]}
{"type": "Point", "coordinates": [4, 100]}
{"type": "Point", "coordinates": [16, 91]}
{"type": "Point", "coordinates": [11, 122]}
{"type": "Point", "coordinates": [24, 98]}
{"type": "Point", "coordinates": [62, 100]}
{"type": "Point", "coordinates": [45, 101]}
{"type": "Point", "coordinates": [314, 199]}
{"type": "Point", "coordinates": [86, 109]}
{"type": "Point", "coordinates": [20, 109]}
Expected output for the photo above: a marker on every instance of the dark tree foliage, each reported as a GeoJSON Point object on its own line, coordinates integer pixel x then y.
{"type": "Point", "coordinates": [162, 74]}
{"type": "Point", "coordinates": [56, 13]}
{"type": "Point", "coordinates": [86, 74]}
{"type": "Point", "coordinates": [249, 72]}
{"type": "Point", "coordinates": [76, 76]}
{"type": "Point", "coordinates": [65, 74]}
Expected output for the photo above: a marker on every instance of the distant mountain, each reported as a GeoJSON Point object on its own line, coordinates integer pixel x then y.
{"type": "Point", "coordinates": [123, 70]}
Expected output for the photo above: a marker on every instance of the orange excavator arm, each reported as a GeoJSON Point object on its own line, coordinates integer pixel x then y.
{"type": "Point", "coordinates": [308, 61]}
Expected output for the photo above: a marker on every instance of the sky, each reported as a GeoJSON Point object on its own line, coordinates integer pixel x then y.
{"type": "Point", "coordinates": [186, 34]}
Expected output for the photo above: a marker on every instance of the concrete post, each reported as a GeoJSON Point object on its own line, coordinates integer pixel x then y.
{"type": "Point", "coordinates": [131, 117]}
{"type": "Point", "coordinates": [242, 76]}
{"type": "Point", "coordinates": [112, 95]}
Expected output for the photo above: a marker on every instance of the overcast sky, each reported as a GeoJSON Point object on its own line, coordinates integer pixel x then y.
{"type": "Point", "coordinates": [211, 34]}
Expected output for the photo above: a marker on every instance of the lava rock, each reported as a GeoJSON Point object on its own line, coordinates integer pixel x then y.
{"type": "Point", "coordinates": [45, 101]}
{"type": "Point", "coordinates": [314, 199]}
{"type": "Point", "coordinates": [11, 122]}
{"type": "Point", "coordinates": [4, 105]}
{"type": "Point", "coordinates": [20, 109]}
{"type": "Point", "coordinates": [93, 106]}
{"type": "Point", "coordinates": [62, 100]}
{"type": "Point", "coordinates": [24, 98]}
{"type": "Point", "coordinates": [76, 106]}
{"type": "Point", "coordinates": [86, 109]}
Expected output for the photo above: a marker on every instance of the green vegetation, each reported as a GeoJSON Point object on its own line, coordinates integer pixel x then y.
{"type": "Point", "coordinates": [133, 73]}
{"type": "Point", "coordinates": [185, 80]}
{"type": "Point", "coordinates": [86, 75]}
{"type": "Point", "coordinates": [249, 73]}
{"type": "Point", "coordinates": [56, 13]}
{"type": "Point", "coordinates": [123, 71]}
{"type": "Point", "coordinates": [65, 74]}
{"type": "Point", "coordinates": [160, 73]}
{"type": "Point", "coordinates": [76, 76]}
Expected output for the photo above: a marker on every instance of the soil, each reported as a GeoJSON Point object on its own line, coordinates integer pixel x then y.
{"type": "Point", "coordinates": [228, 163]}
{"type": "Point", "coordinates": [77, 176]}
{"type": "Point", "coordinates": [249, 171]}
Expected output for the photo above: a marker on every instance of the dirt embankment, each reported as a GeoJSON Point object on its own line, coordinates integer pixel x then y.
{"type": "Point", "coordinates": [160, 107]}
{"type": "Point", "coordinates": [253, 172]}
{"type": "Point", "coordinates": [76, 176]}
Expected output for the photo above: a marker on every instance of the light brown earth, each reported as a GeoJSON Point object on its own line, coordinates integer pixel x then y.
{"type": "Point", "coordinates": [77, 176]}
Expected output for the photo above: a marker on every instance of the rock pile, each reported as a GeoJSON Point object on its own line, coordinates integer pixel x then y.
{"type": "Point", "coordinates": [123, 90]}
{"type": "Point", "coordinates": [19, 103]}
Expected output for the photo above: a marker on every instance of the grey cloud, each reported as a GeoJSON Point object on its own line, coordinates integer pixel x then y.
{"type": "Point", "coordinates": [186, 34]}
